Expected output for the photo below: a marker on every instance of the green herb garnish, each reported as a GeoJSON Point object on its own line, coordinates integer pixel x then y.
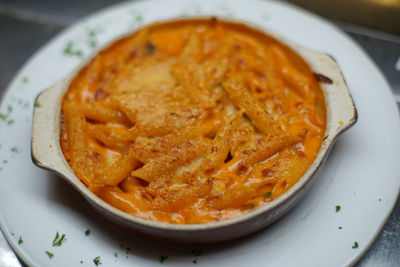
{"type": "Point", "coordinates": [3, 116]}
{"type": "Point", "coordinates": [81, 261]}
{"type": "Point", "coordinates": [71, 51]}
{"type": "Point", "coordinates": [87, 232]}
{"type": "Point", "coordinates": [25, 79]}
{"type": "Point", "coordinates": [37, 104]}
{"type": "Point", "coordinates": [9, 122]}
{"type": "Point", "coordinates": [340, 227]}
{"type": "Point", "coordinates": [116, 254]}
{"type": "Point", "coordinates": [97, 261]}
{"type": "Point", "coordinates": [337, 208]}
{"type": "Point", "coordinates": [68, 48]}
{"type": "Point", "coordinates": [49, 254]}
{"type": "Point", "coordinates": [92, 43]}
{"type": "Point", "coordinates": [58, 240]}
{"type": "Point", "coordinates": [92, 33]}
{"type": "Point", "coordinates": [196, 252]}
{"type": "Point", "coordinates": [92, 38]}
{"type": "Point", "coordinates": [20, 240]}
{"type": "Point", "coordinates": [355, 245]}
{"type": "Point", "coordinates": [267, 195]}
{"type": "Point", "coordinates": [163, 258]}
{"type": "Point", "coordinates": [14, 149]}
{"type": "Point", "coordinates": [138, 18]}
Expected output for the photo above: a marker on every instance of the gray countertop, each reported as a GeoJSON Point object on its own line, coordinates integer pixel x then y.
{"type": "Point", "coordinates": [26, 25]}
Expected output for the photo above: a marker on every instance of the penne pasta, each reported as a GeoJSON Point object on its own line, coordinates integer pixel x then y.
{"type": "Point", "coordinates": [267, 147]}
{"type": "Point", "coordinates": [220, 148]}
{"type": "Point", "coordinates": [242, 98]}
{"type": "Point", "coordinates": [75, 125]}
{"type": "Point", "coordinates": [119, 170]}
{"type": "Point", "coordinates": [171, 160]}
{"type": "Point", "coordinates": [101, 113]}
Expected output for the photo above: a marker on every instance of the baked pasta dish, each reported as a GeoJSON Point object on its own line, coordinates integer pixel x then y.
{"type": "Point", "coordinates": [192, 121]}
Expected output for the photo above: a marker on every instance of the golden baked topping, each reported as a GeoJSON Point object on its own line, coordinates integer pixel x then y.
{"type": "Point", "coordinates": [193, 121]}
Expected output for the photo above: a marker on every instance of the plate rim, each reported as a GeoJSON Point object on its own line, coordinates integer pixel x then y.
{"type": "Point", "coordinates": [26, 259]}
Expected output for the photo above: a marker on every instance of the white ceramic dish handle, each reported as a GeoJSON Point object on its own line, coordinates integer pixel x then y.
{"type": "Point", "coordinates": [46, 150]}
{"type": "Point", "coordinates": [340, 107]}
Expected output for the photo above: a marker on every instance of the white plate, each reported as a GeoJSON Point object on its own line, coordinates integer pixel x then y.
{"type": "Point", "coordinates": [361, 174]}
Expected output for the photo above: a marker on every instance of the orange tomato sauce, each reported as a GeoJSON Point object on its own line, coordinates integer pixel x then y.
{"type": "Point", "coordinates": [192, 121]}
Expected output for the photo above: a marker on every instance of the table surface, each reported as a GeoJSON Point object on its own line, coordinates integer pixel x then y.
{"type": "Point", "coordinates": [26, 25]}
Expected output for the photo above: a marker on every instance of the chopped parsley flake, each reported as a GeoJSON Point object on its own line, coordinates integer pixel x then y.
{"type": "Point", "coordinates": [25, 79]}
{"type": "Point", "coordinates": [197, 252]}
{"type": "Point", "coordinates": [92, 33]}
{"type": "Point", "coordinates": [20, 240]}
{"type": "Point", "coordinates": [380, 199]}
{"type": "Point", "coordinates": [163, 258]}
{"type": "Point", "coordinates": [14, 149]}
{"type": "Point", "coordinates": [138, 19]}
{"type": "Point", "coordinates": [49, 254]}
{"type": "Point", "coordinates": [97, 261]}
{"type": "Point", "coordinates": [37, 104]}
{"type": "Point", "coordinates": [337, 208]}
{"type": "Point", "coordinates": [195, 261]}
{"type": "Point", "coordinates": [267, 195]}
{"type": "Point", "coordinates": [81, 262]}
{"type": "Point", "coordinates": [116, 254]}
{"type": "Point", "coordinates": [93, 43]}
{"type": "Point", "coordinates": [58, 240]}
{"type": "Point", "coordinates": [3, 116]}
{"type": "Point", "coordinates": [87, 232]}
{"type": "Point", "coordinates": [92, 38]}
{"type": "Point", "coordinates": [340, 227]}
{"type": "Point", "coordinates": [355, 245]}
{"type": "Point", "coordinates": [70, 50]}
